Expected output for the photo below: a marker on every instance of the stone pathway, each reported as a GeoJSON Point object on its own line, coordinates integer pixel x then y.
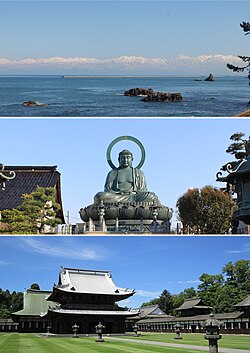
{"type": "Point", "coordinates": [176, 345]}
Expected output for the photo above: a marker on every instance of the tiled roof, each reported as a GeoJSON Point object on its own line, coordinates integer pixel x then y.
{"type": "Point", "coordinates": [150, 310]}
{"type": "Point", "coordinates": [156, 319]}
{"type": "Point", "coordinates": [192, 303]}
{"type": "Point", "coordinates": [245, 302]}
{"type": "Point", "coordinates": [26, 181]}
{"type": "Point", "coordinates": [93, 312]}
{"type": "Point", "coordinates": [35, 303]}
{"type": "Point", "coordinates": [200, 318]}
{"type": "Point", "coordinates": [94, 282]}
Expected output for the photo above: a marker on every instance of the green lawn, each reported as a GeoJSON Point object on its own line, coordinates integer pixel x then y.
{"type": "Point", "coordinates": [30, 343]}
{"type": "Point", "coordinates": [227, 341]}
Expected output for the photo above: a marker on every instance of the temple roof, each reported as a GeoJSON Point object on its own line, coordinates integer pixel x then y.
{"type": "Point", "coordinates": [193, 303]}
{"type": "Point", "coordinates": [78, 281]}
{"type": "Point", "coordinates": [150, 310]}
{"type": "Point", "coordinates": [26, 181]}
{"type": "Point", "coordinates": [159, 318]}
{"type": "Point", "coordinates": [35, 303]}
{"type": "Point", "coordinates": [245, 302]}
{"type": "Point", "coordinates": [95, 312]}
{"type": "Point", "coordinates": [172, 319]}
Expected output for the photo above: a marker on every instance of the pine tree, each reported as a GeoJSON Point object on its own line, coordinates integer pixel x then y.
{"type": "Point", "coordinates": [246, 59]}
{"type": "Point", "coordinates": [237, 149]}
{"type": "Point", "coordinates": [38, 210]}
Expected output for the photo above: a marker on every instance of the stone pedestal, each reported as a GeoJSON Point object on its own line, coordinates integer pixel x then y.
{"type": "Point", "coordinates": [213, 342]}
{"type": "Point", "coordinates": [134, 217]}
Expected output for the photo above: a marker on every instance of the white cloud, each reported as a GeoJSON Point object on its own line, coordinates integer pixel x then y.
{"type": "Point", "coordinates": [123, 64]}
{"type": "Point", "coordinates": [245, 248]}
{"type": "Point", "coordinates": [189, 282]}
{"type": "Point", "coordinates": [62, 249]}
{"type": "Point", "coordinates": [144, 293]}
{"type": "Point", "coordinates": [4, 263]}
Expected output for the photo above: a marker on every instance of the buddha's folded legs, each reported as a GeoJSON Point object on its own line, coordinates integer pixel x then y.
{"type": "Point", "coordinates": [110, 197]}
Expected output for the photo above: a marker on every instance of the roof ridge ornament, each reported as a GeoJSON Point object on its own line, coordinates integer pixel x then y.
{"type": "Point", "coordinates": [5, 176]}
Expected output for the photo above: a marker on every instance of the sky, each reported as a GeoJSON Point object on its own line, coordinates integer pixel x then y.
{"type": "Point", "coordinates": [147, 264]}
{"type": "Point", "coordinates": [180, 153]}
{"type": "Point", "coordinates": [121, 37]}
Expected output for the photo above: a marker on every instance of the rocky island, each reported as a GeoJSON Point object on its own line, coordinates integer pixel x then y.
{"type": "Point", "coordinates": [152, 96]}
{"type": "Point", "coordinates": [209, 78]}
{"type": "Point", "coordinates": [34, 104]}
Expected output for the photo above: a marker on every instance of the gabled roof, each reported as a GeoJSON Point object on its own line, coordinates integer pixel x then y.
{"type": "Point", "coordinates": [245, 302]}
{"type": "Point", "coordinates": [26, 181]}
{"type": "Point", "coordinates": [73, 280]}
{"type": "Point", "coordinates": [155, 319]}
{"type": "Point", "coordinates": [193, 303]}
{"type": "Point", "coordinates": [150, 310]}
{"type": "Point", "coordinates": [35, 303]}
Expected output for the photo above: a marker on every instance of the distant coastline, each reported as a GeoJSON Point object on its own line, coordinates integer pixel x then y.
{"type": "Point", "coordinates": [119, 76]}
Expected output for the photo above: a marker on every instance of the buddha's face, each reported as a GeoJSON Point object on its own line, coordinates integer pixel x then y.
{"type": "Point", "coordinates": [125, 160]}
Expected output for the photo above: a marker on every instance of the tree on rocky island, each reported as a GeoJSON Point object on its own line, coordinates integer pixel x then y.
{"type": "Point", "coordinates": [38, 210]}
{"type": "Point", "coordinates": [205, 211]}
{"type": "Point", "coordinates": [246, 28]}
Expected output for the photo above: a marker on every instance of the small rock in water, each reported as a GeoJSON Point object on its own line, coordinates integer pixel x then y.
{"type": "Point", "coordinates": [209, 78]}
{"type": "Point", "coordinates": [34, 104]}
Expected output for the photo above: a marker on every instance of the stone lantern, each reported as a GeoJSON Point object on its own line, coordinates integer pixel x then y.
{"type": "Point", "coordinates": [99, 330]}
{"type": "Point", "coordinates": [48, 330]}
{"type": "Point", "coordinates": [135, 330]}
{"type": "Point", "coordinates": [212, 327]}
{"type": "Point", "coordinates": [75, 329]}
{"type": "Point", "coordinates": [238, 178]}
{"type": "Point", "coordinates": [5, 176]}
{"type": "Point", "coordinates": [177, 328]}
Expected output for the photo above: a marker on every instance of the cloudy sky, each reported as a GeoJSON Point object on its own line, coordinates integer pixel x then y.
{"type": "Point", "coordinates": [147, 264]}
{"type": "Point", "coordinates": [121, 37]}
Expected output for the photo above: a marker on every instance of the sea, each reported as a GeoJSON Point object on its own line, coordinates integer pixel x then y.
{"type": "Point", "coordinates": [102, 96]}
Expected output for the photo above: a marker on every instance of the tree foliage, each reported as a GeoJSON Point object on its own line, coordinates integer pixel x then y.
{"type": "Point", "coordinates": [38, 210]}
{"type": "Point", "coordinates": [35, 286]}
{"type": "Point", "coordinates": [165, 302]}
{"type": "Point", "coordinates": [223, 291]}
{"type": "Point", "coordinates": [220, 291]}
{"type": "Point", "coordinates": [210, 288]}
{"type": "Point", "coordinates": [178, 299]}
{"type": "Point", "coordinates": [205, 211]}
{"type": "Point", "coordinates": [9, 303]}
{"type": "Point", "coordinates": [238, 147]}
{"type": "Point", "coordinates": [246, 59]}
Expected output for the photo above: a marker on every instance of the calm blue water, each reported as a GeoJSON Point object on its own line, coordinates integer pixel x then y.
{"type": "Point", "coordinates": [102, 97]}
